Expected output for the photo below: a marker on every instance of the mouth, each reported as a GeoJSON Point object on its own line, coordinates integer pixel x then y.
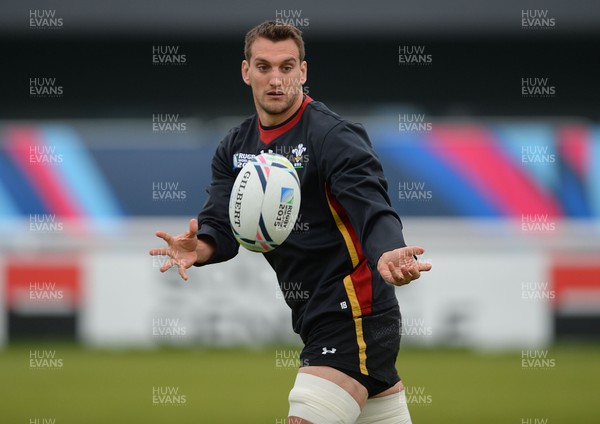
{"type": "Point", "coordinates": [275, 93]}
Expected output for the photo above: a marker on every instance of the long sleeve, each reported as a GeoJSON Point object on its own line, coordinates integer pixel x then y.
{"type": "Point", "coordinates": [355, 178]}
{"type": "Point", "coordinates": [213, 220]}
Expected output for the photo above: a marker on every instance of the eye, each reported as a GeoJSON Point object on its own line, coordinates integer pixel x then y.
{"type": "Point", "coordinates": [262, 68]}
{"type": "Point", "coordinates": [287, 68]}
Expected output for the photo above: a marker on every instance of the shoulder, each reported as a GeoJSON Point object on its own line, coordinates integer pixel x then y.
{"type": "Point", "coordinates": [318, 113]}
{"type": "Point", "coordinates": [247, 125]}
{"type": "Point", "coordinates": [230, 143]}
{"type": "Point", "coordinates": [236, 135]}
{"type": "Point", "coordinates": [330, 122]}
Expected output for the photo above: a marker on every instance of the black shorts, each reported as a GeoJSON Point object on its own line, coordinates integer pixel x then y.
{"type": "Point", "coordinates": [365, 348]}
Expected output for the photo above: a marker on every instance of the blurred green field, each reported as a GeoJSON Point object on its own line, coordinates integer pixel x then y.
{"type": "Point", "coordinates": [251, 385]}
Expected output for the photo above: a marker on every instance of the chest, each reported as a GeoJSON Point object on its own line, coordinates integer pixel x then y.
{"type": "Point", "coordinates": [295, 146]}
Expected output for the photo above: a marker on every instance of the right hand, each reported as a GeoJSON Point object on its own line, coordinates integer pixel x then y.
{"type": "Point", "coordinates": [183, 250]}
{"type": "Point", "coordinates": [399, 266]}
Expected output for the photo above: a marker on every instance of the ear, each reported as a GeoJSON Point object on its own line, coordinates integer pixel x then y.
{"type": "Point", "coordinates": [304, 71]}
{"type": "Point", "coordinates": [245, 72]}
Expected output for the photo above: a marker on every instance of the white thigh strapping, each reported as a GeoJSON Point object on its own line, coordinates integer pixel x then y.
{"type": "Point", "coordinates": [321, 401]}
{"type": "Point", "coordinates": [391, 409]}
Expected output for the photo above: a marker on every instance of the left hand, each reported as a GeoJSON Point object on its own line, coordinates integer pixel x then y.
{"type": "Point", "coordinates": [399, 266]}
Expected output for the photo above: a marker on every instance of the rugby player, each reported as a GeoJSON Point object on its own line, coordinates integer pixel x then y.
{"type": "Point", "coordinates": [349, 259]}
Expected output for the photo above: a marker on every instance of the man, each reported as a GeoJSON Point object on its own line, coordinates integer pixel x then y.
{"type": "Point", "coordinates": [354, 247]}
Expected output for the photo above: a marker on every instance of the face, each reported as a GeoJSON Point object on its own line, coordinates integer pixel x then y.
{"type": "Point", "coordinates": [276, 76]}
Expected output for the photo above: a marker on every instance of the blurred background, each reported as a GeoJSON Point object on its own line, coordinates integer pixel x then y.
{"type": "Point", "coordinates": [485, 116]}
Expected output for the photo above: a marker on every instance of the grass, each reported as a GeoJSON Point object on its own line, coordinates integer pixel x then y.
{"type": "Point", "coordinates": [247, 386]}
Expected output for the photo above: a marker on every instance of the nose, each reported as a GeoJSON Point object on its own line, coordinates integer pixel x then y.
{"type": "Point", "coordinates": [276, 79]}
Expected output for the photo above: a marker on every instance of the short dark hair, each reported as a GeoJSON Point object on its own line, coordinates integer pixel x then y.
{"type": "Point", "coordinates": [274, 31]}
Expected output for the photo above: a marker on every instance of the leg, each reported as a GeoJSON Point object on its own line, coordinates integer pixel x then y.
{"type": "Point", "coordinates": [353, 387]}
{"type": "Point", "coordinates": [398, 387]}
{"type": "Point", "coordinates": [324, 394]}
{"type": "Point", "coordinates": [388, 407]}
{"type": "Point", "coordinates": [322, 389]}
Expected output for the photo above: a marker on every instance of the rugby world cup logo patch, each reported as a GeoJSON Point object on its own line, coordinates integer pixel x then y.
{"type": "Point", "coordinates": [240, 159]}
{"type": "Point", "coordinates": [287, 196]}
{"type": "Point", "coordinates": [284, 214]}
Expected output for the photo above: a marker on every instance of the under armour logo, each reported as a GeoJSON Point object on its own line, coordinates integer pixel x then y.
{"type": "Point", "coordinates": [326, 351]}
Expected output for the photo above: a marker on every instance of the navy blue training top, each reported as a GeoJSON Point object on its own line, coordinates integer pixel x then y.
{"type": "Point", "coordinates": [327, 267]}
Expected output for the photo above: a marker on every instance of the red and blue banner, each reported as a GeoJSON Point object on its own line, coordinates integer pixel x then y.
{"type": "Point", "coordinates": [497, 170]}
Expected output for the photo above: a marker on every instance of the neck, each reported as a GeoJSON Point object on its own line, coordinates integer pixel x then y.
{"type": "Point", "coordinates": [270, 120]}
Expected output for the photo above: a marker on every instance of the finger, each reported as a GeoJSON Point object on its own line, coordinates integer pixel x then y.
{"type": "Point", "coordinates": [410, 251]}
{"type": "Point", "coordinates": [411, 273]}
{"type": "Point", "coordinates": [386, 272]}
{"type": "Point", "coordinates": [182, 271]}
{"type": "Point", "coordinates": [405, 257]}
{"type": "Point", "coordinates": [165, 236]}
{"type": "Point", "coordinates": [164, 251]}
{"type": "Point", "coordinates": [424, 266]}
{"type": "Point", "coordinates": [168, 265]}
{"type": "Point", "coordinates": [398, 277]}
{"type": "Point", "coordinates": [193, 230]}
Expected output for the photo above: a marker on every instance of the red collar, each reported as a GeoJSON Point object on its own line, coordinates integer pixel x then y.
{"type": "Point", "coordinates": [269, 134]}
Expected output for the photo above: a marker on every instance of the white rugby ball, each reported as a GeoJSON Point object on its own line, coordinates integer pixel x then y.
{"type": "Point", "coordinates": [264, 202]}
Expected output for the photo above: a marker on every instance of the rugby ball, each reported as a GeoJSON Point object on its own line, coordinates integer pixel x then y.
{"type": "Point", "coordinates": [264, 202]}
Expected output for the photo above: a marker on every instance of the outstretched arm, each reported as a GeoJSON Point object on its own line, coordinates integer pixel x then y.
{"type": "Point", "coordinates": [356, 178]}
{"type": "Point", "coordinates": [185, 249]}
